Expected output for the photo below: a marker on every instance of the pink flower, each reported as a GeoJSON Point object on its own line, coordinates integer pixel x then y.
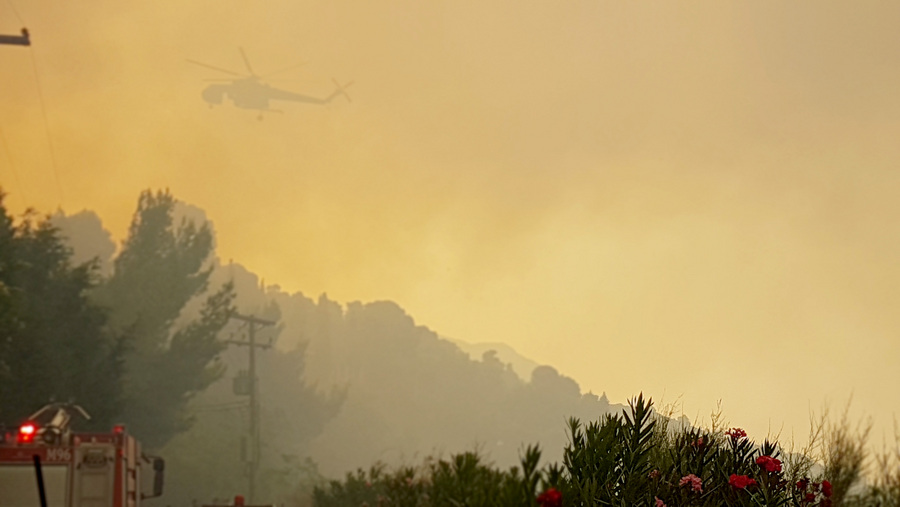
{"type": "Point", "coordinates": [736, 433]}
{"type": "Point", "coordinates": [826, 488]}
{"type": "Point", "coordinates": [654, 474]}
{"type": "Point", "coordinates": [769, 463]}
{"type": "Point", "coordinates": [550, 498]}
{"type": "Point", "coordinates": [740, 481]}
{"type": "Point", "coordinates": [695, 482]}
{"type": "Point", "coordinates": [659, 503]}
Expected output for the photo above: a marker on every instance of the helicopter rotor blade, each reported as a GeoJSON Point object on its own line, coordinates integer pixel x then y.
{"type": "Point", "coordinates": [292, 67]}
{"type": "Point", "coordinates": [195, 62]}
{"type": "Point", "coordinates": [247, 62]}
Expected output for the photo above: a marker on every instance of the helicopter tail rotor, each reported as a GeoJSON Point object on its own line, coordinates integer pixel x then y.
{"type": "Point", "coordinates": [342, 89]}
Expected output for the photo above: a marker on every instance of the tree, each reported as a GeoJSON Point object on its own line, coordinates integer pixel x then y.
{"type": "Point", "coordinates": [83, 232]}
{"type": "Point", "coordinates": [163, 266]}
{"type": "Point", "coordinates": [54, 342]}
{"type": "Point", "coordinates": [206, 462]}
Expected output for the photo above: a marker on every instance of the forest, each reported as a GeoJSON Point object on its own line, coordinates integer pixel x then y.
{"type": "Point", "coordinates": [138, 334]}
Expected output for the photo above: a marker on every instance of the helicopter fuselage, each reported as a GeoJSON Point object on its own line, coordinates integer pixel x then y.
{"type": "Point", "coordinates": [246, 94]}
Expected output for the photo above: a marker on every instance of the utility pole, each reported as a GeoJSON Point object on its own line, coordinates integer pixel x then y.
{"type": "Point", "coordinates": [253, 434]}
{"type": "Point", "coordinates": [17, 40]}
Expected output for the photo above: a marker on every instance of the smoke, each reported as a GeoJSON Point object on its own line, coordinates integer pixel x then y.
{"type": "Point", "coordinates": [650, 183]}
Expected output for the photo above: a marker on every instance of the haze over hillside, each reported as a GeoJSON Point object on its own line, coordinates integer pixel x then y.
{"type": "Point", "coordinates": [350, 384]}
{"type": "Point", "coordinates": [504, 353]}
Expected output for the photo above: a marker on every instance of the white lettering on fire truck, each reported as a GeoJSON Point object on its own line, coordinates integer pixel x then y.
{"type": "Point", "coordinates": [59, 454]}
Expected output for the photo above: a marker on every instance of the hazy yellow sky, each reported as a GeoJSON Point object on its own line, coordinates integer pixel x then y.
{"type": "Point", "coordinates": [694, 198]}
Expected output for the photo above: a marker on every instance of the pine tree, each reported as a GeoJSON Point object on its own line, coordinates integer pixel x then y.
{"type": "Point", "coordinates": [162, 267]}
{"type": "Point", "coordinates": [54, 342]}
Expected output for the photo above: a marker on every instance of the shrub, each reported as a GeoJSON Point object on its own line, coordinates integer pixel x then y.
{"type": "Point", "coordinates": [636, 459]}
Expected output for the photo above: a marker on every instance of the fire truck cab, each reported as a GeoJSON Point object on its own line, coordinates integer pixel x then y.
{"type": "Point", "coordinates": [75, 469]}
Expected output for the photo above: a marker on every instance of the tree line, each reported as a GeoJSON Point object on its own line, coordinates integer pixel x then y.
{"type": "Point", "coordinates": [137, 335]}
{"type": "Point", "coordinates": [109, 342]}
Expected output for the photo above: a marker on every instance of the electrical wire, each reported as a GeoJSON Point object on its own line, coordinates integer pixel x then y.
{"type": "Point", "coordinates": [37, 81]}
{"type": "Point", "coordinates": [40, 91]}
{"type": "Point", "coordinates": [13, 7]}
{"type": "Point", "coordinates": [12, 167]}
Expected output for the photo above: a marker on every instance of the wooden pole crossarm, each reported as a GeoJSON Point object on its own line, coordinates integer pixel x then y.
{"type": "Point", "coordinates": [16, 40]}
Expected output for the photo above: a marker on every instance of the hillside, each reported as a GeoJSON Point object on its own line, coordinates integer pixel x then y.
{"type": "Point", "coordinates": [520, 364]}
{"type": "Point", "coordinates": [349, 384]}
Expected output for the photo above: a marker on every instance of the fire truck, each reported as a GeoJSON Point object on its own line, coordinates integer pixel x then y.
{"type": "Point", "coordinates": [44, 463]}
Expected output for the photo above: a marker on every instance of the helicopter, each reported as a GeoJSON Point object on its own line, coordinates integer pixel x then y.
{"type": "Point", "coordinates": [248, 91]}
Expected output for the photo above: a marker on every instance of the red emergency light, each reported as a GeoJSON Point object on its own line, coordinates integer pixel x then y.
{"type": "Point", "coordinates": [27, 432]}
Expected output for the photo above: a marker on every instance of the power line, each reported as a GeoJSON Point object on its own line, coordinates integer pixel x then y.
{"type": "Point", "coordinates": [12, 167]}
{"type": "Point", "coordinates": [37, 81]}
{"type": "Point", "coordinates": [22, 40]}
{"type": "Point", "coordinates": [25, 40]}
{"type": "Point", "coordinates": [16, 12]}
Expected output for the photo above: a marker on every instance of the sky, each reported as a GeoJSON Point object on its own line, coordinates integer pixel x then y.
{"type": "Point", "coordinates": [695, 200]}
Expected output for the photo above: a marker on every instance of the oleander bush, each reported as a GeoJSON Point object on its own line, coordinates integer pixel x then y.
{"type": "Point", "coordinates": [638, 458]}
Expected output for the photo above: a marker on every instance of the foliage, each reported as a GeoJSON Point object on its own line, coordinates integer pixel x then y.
{"type": "Point", "coordinates": [205, 461]}
{"type": "Point", "coordinates": [608, 462]}
{"type": "Point", "coordinates": [463, 479]}
{"type": "Point", "coordinates": [54, 342]}
{"type": "Point", "coordinates": [162, 267]}
{"type": "Point", "coordinates": [110, 345]}
{"type": "Point", "coordinates": [635, 459]}
{"type": "Point", "coordinates": [845, 455]}
{"type": "Point", "coordinates": [409, 390]}
{"type": "Point", "coordinates": [141, 345]}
